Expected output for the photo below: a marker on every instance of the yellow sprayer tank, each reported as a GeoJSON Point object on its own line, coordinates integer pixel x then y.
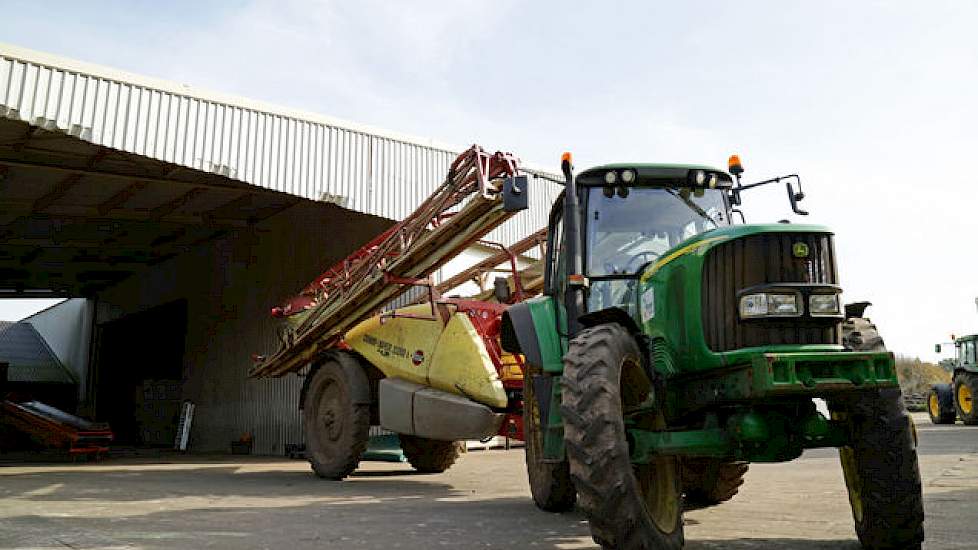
{"type": "Point", "coordinates": [445, 353]}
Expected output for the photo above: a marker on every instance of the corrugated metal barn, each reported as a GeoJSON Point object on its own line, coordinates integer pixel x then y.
{"type": "Point", "coordinates": [181, 217]}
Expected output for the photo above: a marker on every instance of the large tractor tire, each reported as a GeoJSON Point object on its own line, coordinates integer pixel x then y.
{"type": "Point", "coordinates": [881, 471]}
{"type": "Point", "coordinates": [940, 404]}
{"type": "Point", "coordinates": [965, 393]}
{"type": "Point", "coordinates": [430, 456]}
{"type": "Point", "coordinates": [710, 481]}
{"type": "Point", "coordinates": [628, 506]}
{"type": "Point", "coordinates": [550, 482]}
{"type": "Point", "coordinates": [336, 415]}
{"type": "Point", "coordinates": [860, 334]}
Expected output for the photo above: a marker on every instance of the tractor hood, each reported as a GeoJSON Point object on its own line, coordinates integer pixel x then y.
{"type": "Point", "coordinates": [688, 299]}
{"type": "Point", "coordinates": [699, 244]}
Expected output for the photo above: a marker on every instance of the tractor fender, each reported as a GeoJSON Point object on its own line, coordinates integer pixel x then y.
{"type": "Point", "coordinates": [518, 334]}
{"type": "Point", "coordinates": [610, 315]}
{"type": "Point", "coordinates": [346, 361]}
{"type": "Point", "coordinates": [962, 369]}
{"type": "Point", "coordinates": [620, 316]}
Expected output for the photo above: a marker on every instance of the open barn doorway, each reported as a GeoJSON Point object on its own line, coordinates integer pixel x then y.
{"type": "Point", "coordinates": [138, 374]}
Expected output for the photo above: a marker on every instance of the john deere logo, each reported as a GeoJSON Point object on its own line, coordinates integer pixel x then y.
{"type": "Point", "coordinates": [799, 250]}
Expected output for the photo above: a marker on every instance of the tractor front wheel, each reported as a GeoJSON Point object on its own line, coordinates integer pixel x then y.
{"type": "Point", "coordinates": [965, 392]}
{"type": "Point", "coordinates": [550, 482]}
{"type": "Point", "coordinates": [430, 456]}
{"type": "Point", "coordinates": [628, 506]}
{"type": "Point", "coordinates": [336, 416]}
{"type": "Point", "coordinates": [881, 471]}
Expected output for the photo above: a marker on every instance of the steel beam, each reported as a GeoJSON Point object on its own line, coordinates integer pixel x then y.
{"type": "Point", "coordinates": [90, 214]}
{"type": "Point", "coordinates": [491, 262]}
{"type": "Point", "coordinates": [18, 163]}
{"type": "Point", "coordinates": [169, 207]}
{"type": "Point", "coordinates": [59, 190]}
{"type": "Point", "coordinates": [120, 198]}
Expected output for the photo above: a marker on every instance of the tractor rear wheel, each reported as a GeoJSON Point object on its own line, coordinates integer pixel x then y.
{"type": "Point", "coordinates": [965, 392]}
{"type": "Point", "coordinates": [336, 415]}
{"type": "Point", "coordinates": [710, 481]}
{"type": "Point", "coordinates": [550, 482]}
{"type": "Point", "coordinates": [940, 405]}
{"type": "Point", "coordinates": [628, 506]}
{"type": "Point", "coordinates": [430, 456]}
{"type": "Point", "coordinates": [881, 471]}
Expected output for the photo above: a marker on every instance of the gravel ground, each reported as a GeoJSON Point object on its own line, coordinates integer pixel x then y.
{"type": "Point", "coordinates": [233, 502]}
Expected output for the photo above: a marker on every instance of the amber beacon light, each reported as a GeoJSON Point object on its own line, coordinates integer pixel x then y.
{"type": "Point", "coordinates": [734, 166]}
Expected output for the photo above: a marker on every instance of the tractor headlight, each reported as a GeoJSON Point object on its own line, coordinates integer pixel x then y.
{"type": "Point", "coordinates": [769, 305]}
{"type": "Point", "coordinates": [824, 305]}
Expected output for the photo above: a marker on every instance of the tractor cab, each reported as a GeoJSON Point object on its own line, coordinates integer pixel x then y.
{"type": "Point", "coordinates": [966, 352]}
{"type": "Point", "coordinates": [635, 213]}
{"type": "Point", "coordinates": [632, 216]}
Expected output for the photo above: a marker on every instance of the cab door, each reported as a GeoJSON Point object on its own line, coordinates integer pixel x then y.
{"type": "Point", "coordinates": [555, 272]}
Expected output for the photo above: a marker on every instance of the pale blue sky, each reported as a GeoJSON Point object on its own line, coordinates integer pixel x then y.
{"type": "Point", "coordinates": [873, 103]}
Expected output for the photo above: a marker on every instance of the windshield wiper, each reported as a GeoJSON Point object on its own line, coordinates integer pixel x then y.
{"type": "Point", "coordinates": [692, 205]}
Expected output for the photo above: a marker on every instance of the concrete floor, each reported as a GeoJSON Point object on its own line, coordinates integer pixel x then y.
{"type": "Point", "coordinates": [197, 502]}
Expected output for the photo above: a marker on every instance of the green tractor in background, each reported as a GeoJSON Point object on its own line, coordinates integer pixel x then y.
{"type": "Point", "coordinates": [947, 402]}
{"type": "Point", "coordinates": [671, 348]}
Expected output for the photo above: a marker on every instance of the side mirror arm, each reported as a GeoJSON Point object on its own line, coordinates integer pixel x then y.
{"type": "Point", "coordinates": [794, 197]}
{"type": "Point", "coordinates": [735, 196]}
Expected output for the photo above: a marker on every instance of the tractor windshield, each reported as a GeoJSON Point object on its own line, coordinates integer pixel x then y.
{"type": "Point", "coordinates": [625, 233]}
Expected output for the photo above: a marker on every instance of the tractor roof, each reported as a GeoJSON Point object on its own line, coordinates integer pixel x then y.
{"type": "Point", "coordinates": [652, 166]}
{"type": "Point", "coordinates": [650, 173]}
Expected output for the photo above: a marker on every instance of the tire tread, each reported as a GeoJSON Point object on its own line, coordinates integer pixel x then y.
{"type": "Point", "coordinates": [597, 449]}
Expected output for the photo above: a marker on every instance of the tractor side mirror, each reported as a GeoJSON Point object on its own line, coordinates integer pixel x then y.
{"type": "Point", "coordinates": [937, 348]}
{"type": "Point", "coordinates": [795, 197]}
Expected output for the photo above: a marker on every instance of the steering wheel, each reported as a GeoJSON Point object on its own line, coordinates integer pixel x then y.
{"type": "Point", "coordinates": [631, 266]}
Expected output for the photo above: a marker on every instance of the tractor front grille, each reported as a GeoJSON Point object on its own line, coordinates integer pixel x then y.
{"type": "Point", "coordinates": [763, 259]}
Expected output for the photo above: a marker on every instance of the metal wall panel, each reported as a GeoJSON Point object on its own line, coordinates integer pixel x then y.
{"type": "Point", "coordinates": [228, 298]}
{"type": "Point", "coordinates": [311, 156]}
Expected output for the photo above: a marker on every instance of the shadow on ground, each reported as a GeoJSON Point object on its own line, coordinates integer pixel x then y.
{"type": "Point", "coordinates": [773, 544]}
{"type": "Point", "coordinates": [265, 504]}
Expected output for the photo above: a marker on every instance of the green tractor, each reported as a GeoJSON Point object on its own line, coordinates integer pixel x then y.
{"type": "Point", "coordinates": [947, 402]}
{"type": "Point", "coordinates": [671, 348]}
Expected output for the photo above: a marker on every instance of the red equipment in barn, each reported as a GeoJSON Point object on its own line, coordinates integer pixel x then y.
{"type": "Point", "coordinates": [55, 428]}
